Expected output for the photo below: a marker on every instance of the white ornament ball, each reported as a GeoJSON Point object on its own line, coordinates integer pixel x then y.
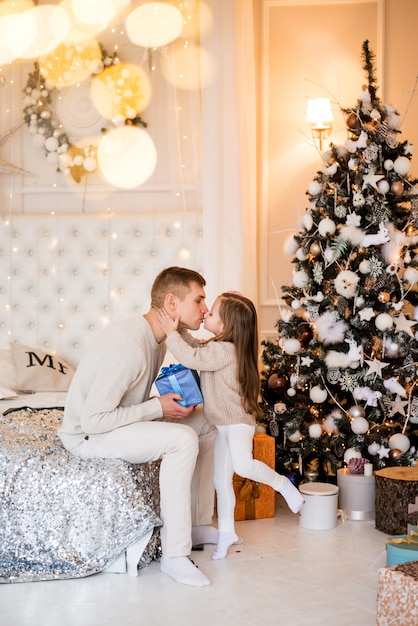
{"type": "Point", "coordinates": [307, 221]}
{"type": "Point", "coordinates": [384, 321]}
{"type": "Point", "coordinates": [291, 392]}
{"type": "Point", "coordinates": [359, 425]}
{"type": "Point", "coordinates": [315, 431]}
{"type": "Point", "coordinates": [392, 348]}
{"type": "Point", "coordinates": [326, 227]}
{"type": "Point", "coordinates": [314, 188]}
{"type": "Point", "coordinates": [291, 346]}
{"type": "Point", "coordinates": [383, 186]}
{"type": "Point", "coordinates": [317, 394]}
{"type": "Point", "coordinates": [351, 453]}
{"type": "Point", "coordinates": [295, 304]}
{"type": "Point", "coordinates": [373, 448]}
{"type": "Point", "coordinates": [388, 165]}
{"type": "Point", "coordinates": [51, 144]}
{"type": "Point", "coordinates": [356, 411]}
{"type": "Point", "coordinates": [364, 267]}
{"type": "Point", "coordinates": [301, 255]}
{"type": "Point", "coordinates": [89, 164]}
{"type": "Point", "coordinates": [65, 160]}
{"type": "Point", "coordinates": [300, 278]}
{"type": "Point", "coordinates": [119, 120]}
{"type": "Point", "coordinates": [360, 301]}
{"type": "Point", "coordinates": [78, 160]}
{"type": "Point", "coordinates": [410, 275]}
{"type": "Point", "coordinates": [295, 437]}
{"type": "Point", "coordinates": [398, 441]}
{"type": "Point", "coordinates": [402, 165]}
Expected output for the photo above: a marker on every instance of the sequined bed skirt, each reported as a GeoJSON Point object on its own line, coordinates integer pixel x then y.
{"type": "Point", "coordinates": [65, 517]}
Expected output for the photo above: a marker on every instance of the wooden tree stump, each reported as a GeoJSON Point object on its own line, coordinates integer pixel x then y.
{"type": "Point", "coordinates": [396, 489]}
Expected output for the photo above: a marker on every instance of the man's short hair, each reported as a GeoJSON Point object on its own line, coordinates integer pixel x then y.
{"type": "Point", "coordinates": [175, 280]}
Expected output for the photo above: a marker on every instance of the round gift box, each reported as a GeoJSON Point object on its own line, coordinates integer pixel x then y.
{"type": "Point", "coordinates": [397, 553]}
{"type": "Point", "coordinates": [319, 511]}
{"type": "Point", "coordinates": [356, 496]}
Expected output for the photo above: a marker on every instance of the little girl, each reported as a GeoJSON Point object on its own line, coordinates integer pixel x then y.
{"type": "Point", "coordinates": [230, 386]}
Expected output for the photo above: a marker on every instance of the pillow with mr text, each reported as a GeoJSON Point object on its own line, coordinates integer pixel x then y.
{"type": "Point", "coordinates": [37, 370]}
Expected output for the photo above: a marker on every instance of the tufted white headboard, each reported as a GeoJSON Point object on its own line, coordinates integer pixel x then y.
{"type": "Point", "coordinates": [64, 277]}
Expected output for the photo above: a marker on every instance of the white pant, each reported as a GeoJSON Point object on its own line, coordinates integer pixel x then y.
{"type": "Point", "coordinates": [186, 486]}
{"type": "Point", "coordinates": [234, 453]}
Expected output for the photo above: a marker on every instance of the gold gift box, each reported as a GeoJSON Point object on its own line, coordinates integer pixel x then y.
{"type": "Point", "coordinates": [256, 500]}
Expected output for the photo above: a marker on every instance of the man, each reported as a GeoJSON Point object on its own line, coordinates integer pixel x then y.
{"type": "Point", "coordinates": [109, 414]}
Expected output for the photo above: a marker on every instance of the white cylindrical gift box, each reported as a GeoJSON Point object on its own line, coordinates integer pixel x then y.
{"type": "Point", "coordinates": [319, 511]}
{"type": "Point", "coordinates": [357, 494]}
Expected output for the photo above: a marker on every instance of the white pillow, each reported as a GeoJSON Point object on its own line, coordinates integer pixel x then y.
{"type": "Point", "coordinates": [6, 393]}
{"type": "Point", "coordinates": [7, 370]}
{"type": "Point", "coordinates": [37, 370]}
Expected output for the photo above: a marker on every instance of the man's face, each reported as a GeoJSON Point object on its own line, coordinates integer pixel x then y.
{"type": "Point", "coordinates": [192, 308]}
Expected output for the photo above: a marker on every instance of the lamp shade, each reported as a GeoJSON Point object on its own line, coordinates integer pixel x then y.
{"type": "Point", "coordinates": [318, 113]}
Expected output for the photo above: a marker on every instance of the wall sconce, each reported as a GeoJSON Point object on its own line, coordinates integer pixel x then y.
{"type": "Point", "coordinates": [319, 116]}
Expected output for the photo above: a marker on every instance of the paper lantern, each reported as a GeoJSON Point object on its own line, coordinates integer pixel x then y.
{"type": "Point", "coordinates": [188, 67]}
{"type": "Point", "coordinates": [69, 63]}
{"type": "Point", "coordinates": [154, 24]}
{"type": "Point", "coordinates": [93, 12]}
{"type": "Point", "coordinates": [122, 89]}
{"type": "Point", "coordinates": [52, 25]}
{"type": "Point", "coordinates": [127, 156]}
{"type": "Point", "coordinates": [17, 32]}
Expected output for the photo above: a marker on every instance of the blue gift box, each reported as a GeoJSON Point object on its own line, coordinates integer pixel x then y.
{"type": "Point", "coordinates": [182, 380]}
{"type": "Point", "coordinates": [402, 548]}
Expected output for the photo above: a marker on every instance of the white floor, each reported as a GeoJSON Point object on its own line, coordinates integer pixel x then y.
{"type": "Point", "coordinates": [283, 575]}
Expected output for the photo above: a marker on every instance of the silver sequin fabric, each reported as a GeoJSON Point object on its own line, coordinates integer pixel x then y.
{"type": "Point", "coordinates": [64, 517]}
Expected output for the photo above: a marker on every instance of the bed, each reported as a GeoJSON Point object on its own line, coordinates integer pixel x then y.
{"type": "Point", "coordinates": [68, 276]}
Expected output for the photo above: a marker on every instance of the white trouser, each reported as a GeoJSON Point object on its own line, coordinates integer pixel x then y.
{"type": "Point", "coordinates": [234, 453]}
{"type": "Point", "coordinates": [186, 450]}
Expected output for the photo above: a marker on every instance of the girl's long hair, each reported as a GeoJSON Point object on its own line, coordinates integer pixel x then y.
{"type": "Point", "coordinates": [239, 318]}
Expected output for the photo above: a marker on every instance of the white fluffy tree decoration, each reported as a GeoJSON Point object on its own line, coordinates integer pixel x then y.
{"type": "Point", "coordinates": [394, 386]}
{"type": "Point", "coordinates": [337, 360]}
{"type": "Point", "coordinates": [300, 278]}
{"type": "Point", "coordinates": [352, 234]}
{"type": "Point", "coordinates": [290, 245]}
{"type": "Point", "coordinates": [410, 275]}
{"type": "Point", "coordinates": [346, 283]}
{"type": "Point", "coordinates": [370, 396]}
{"type": "Point", "coordinates": [329, 329]}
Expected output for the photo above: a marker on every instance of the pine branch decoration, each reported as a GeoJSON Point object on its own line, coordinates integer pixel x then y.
{"type": "Point", "coordinates": [368, 59]}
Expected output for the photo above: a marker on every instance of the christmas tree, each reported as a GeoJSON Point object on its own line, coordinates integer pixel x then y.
{"type": "Point", "coordinates": [338, 386]}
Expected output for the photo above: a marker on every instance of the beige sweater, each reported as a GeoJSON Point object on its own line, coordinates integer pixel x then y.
{"type": "Point", "coordinates": [112, 383]}
{"type": "Point", "coordinates": [217, 363]}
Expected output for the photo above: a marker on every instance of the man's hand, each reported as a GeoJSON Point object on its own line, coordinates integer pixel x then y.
{"type": "Point", "coordinates": [172, 409]}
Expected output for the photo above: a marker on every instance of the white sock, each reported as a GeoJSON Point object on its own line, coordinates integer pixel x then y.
{"type": "Point", "coordinates": [225, 541]}
{"type": "Point", "coordinates": [292, 495]}
{"type": "Point", "coordinates": [204, 534]}
{"type": "Point", "coordinates": [182, 570]}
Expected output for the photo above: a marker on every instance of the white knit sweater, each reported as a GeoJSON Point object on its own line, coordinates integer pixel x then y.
{"type": "Point", "coordinates": [112, 383]}
{"type": "Point", "coordinates": [217, 363]}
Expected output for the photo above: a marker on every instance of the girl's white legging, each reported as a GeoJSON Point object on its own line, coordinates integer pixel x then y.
{"type": "Point", "coordinates": [234, 453]}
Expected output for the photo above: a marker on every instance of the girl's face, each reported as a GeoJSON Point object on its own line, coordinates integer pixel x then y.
{"type": "Point", "coordinates": [213, 322]}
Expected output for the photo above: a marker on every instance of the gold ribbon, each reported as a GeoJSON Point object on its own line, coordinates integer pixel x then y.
{"type": "Point", "coordinates": [409, 539]}
{"type": "Point", "coordinates": [248, 490]}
